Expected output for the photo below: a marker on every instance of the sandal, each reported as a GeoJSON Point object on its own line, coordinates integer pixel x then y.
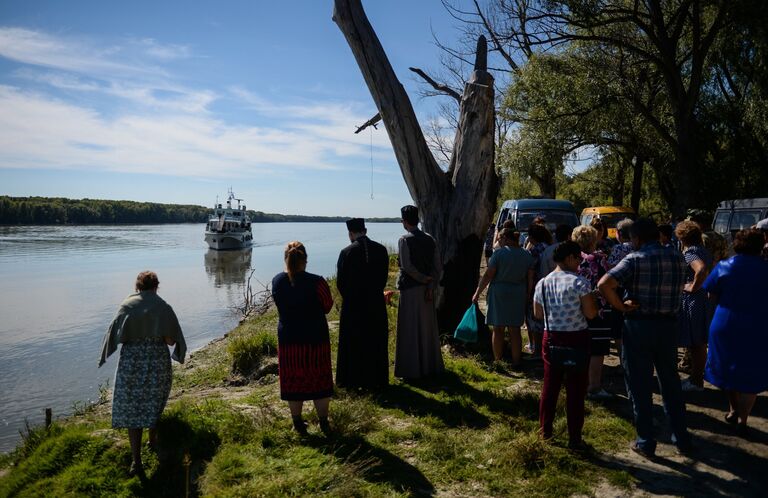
{"type": "Point", "coordinates": [732, 417]}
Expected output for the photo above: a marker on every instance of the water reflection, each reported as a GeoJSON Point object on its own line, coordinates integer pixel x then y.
{"type": "Point", "coordinates": [227, 268]}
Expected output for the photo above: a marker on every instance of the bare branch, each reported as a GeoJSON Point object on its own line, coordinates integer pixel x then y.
{"type": "Point", "coordinates": [370, 122]}
{"type": "Point", "coordinates": [437, 86]}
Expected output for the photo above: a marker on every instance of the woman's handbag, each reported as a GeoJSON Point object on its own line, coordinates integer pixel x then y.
{"type": "Point", "coordinates": [468, 327]}
{"type": "Point", "coordinates": [565, 357]}
{"type": "Point", "coordinates": [569, 358]}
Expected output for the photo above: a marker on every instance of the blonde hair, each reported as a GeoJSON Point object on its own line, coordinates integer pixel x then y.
{"type": "Point", "coordinates": [586, 237]}
{"type": "Point", "coordinates": [295, 258]}
{"type": "Point", "coordinates": [689, 233]}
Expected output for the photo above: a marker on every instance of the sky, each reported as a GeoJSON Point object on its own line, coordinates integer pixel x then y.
{"type": "Point", "coordinates": [176, 101]}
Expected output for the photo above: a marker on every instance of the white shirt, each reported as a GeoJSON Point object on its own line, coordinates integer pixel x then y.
{"type": "Point", "coordinates": [564, 291]}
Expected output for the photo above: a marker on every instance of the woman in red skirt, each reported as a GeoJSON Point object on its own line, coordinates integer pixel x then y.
{"type": "Point", "coordinates": [304, 347]}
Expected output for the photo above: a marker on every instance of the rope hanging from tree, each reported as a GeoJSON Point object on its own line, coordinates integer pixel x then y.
{"type": "Point", "coordinates": [372, 127]}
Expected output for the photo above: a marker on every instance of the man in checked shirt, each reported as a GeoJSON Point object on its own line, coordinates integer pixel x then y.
{"type": "Point", "coordinates": [653, 277]}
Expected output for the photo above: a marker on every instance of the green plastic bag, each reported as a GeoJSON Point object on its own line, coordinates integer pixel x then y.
{"type": "Point", "coordinates": [468, 327]}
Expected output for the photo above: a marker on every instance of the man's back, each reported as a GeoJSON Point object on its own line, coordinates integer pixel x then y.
{"type": "Point", "coordinates": [363, 267]}
{"type": "Point", "coordinates": [653, 276]}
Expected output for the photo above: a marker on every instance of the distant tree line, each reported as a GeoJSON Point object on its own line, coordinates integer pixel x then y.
{"type": "Point", "coordinates": [62, 211]}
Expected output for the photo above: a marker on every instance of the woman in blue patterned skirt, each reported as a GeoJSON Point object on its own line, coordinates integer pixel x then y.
{"type": "Point", "coordinates": [145, 325]}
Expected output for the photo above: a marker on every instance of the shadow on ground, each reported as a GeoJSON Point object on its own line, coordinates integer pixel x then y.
{"type": "Point", "coordinates": [375, 464]}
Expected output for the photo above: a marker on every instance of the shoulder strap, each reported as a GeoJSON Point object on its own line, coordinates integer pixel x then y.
{"type": "Point", "coordinates": [544, 302]}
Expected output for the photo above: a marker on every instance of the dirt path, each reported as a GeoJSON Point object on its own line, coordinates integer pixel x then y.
{"type": "Point", "coordinates": [724, 464]}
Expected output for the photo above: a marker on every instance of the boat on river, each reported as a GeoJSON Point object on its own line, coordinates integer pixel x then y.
{"type": "Point", "coordinates": [229, 227]}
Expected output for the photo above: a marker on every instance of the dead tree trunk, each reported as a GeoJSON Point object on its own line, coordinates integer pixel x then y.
{"type": "Point", "coordinates": [456, 207]}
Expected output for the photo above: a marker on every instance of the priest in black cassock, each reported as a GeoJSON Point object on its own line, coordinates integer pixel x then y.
{"type": "Point", "coordinates": [361, 275]}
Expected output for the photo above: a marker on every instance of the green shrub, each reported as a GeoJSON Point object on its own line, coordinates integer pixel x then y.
{"type": "Point", "coordinates": [247, 350]}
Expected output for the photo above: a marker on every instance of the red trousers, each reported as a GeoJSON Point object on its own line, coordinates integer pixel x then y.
{"type": "Point", "coordinates": [575, 385]}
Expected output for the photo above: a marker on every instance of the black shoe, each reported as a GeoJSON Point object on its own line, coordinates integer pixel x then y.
{"type": "Point", "coordinates": [743, 431]}
{"type": "Point", "coordinates": [686, 449]}
{"type": "Point", "coordinates": [580, 447]}
{"type": "Point", "coordinates": [325, 426]}
{"type": "Point", "coordinates": [732, 418]}
{"type": "Point", "coordinates": [299, 425]}
{"type": "Point", "coordinates": [640, 451]}
{"type": "Point", "coordinates": [137, 469]}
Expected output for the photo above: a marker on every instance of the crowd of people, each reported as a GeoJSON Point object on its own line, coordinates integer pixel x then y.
{"type": "Point", "coordinates": [652, 291]}
{"type": "Point", "coordinates": [655, 290]}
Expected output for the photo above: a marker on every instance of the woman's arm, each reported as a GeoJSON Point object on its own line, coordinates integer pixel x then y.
{"type": "Point", "coordinates": [531, 277]}
{"type": "Point", "coordinates": [324, 295]}
{"type": "Point", "coordinates": [538, 311]}
{"type": "Point", "coordinates": [490, 272]}
{"type": "Point", "coordinates": [589, 306]}
{"type": "Point", "coordinates": [699, 275]}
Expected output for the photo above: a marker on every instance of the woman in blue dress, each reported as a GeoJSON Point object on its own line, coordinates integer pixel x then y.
{"type": "Point", "coordinates": [738, 335]}
{"type": "Point", "coordinates": [510, 274]}
{"type": "Point", "coordinates": [695, 311]}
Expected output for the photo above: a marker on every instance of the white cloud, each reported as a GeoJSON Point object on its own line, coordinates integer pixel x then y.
{"type": "Point", "coordinates": [165, 127]}
{"type": "Point", "coordinates": [69, 54]}
{"type": "Point", "coordinates": [153, 96]}
{"type": "Point", "coordinates": [42, 132]}
{"type": "Point", "coordinates": [164, 52]}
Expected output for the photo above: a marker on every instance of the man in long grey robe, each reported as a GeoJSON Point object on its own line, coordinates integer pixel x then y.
{"type": "Point", "coordinates": [361, 275]}
{"type": "Point", "coordinates": [418, 341]}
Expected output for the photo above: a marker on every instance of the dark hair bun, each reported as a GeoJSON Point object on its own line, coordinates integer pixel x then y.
{"type": "Point", "coordinates": [565, 249]}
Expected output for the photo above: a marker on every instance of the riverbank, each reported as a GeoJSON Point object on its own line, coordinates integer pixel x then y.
{"type": "Point", "coordinates": [473, 432]}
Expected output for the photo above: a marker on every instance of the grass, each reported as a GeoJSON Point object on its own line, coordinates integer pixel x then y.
{"type": "Point", "coordinates": [471, 432]}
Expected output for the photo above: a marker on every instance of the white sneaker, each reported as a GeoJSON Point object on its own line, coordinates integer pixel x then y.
{"type": "Point", "coordinates": [689, 386]}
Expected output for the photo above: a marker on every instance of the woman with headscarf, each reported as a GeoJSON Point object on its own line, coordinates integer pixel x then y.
{"type": "Point", "coordinates": [145, 325]}
{"type": "Point", "coordinates": [304, 347]}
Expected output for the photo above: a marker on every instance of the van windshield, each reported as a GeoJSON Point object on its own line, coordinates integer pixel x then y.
{"type": "Point", "coordinates": [611, 219]}
{"type": "Point", "coordinates": [552, 219]}
{"type": "Point", "coordinates": [744, 219]}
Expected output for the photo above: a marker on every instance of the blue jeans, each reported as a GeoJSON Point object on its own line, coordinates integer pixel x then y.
{"type": "Point", "coordinates": [650, 343]}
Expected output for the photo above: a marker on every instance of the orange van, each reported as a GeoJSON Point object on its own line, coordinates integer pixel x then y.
{"type": "Point", "coordinates": [609, 215]}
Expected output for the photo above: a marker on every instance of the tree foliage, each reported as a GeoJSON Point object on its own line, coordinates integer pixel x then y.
{"type": "Point", "coordinates": [674, 93]}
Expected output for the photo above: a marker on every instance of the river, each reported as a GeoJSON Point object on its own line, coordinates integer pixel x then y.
{"type": "Point", "coordinates": [62, 285]}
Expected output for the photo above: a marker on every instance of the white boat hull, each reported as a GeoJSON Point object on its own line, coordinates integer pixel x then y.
{"type": "Point", "coordinates": [228, 240]}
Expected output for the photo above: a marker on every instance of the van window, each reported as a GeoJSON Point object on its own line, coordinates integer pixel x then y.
{"type": "Point", "coordinates": [553, 218]}
{"type": "Point", "coordinates": [587, 219]}
{"type": "Point", "coordinates": [744, 219]}
{"type": "Point", "coordinates": [610, 220]}
{"type": "Point", "coordinates": [720, 225]}
{"type": "Point", "coordinates": [503, 216]}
